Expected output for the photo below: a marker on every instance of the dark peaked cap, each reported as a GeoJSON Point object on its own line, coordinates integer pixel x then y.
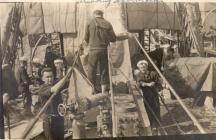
{"type": "Point", "coordinates": [98, 12]}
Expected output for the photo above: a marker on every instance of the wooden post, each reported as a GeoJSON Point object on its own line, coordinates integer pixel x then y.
{"type": "Point", "coordinates": [114, 125]}
{"type": "Point", "coordinates": [2, 136]}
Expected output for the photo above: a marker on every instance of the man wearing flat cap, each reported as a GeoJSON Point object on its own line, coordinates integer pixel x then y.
{"type": "Point", "coordinates": [99, 33]}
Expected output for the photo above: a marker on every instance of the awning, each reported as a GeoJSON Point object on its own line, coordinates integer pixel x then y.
{"type": "Point", "coordinates": [152, 16]}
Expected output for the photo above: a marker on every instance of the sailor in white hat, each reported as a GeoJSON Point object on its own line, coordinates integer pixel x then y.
{"type": "Point", "coordinates": [142, 66]}
{"type": "Point", "coordinates": [142, 63]}
{"type": "Point", "coordinates": [58, 61]}
{"type": "Point", "coordinates": [36, 68]}
{"type": "Point", "coordinates": [60, 69]}
{"type": "Point", "coordinates": [146, 81]}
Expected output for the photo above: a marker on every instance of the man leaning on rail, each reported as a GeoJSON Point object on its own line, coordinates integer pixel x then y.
{"type": "Point", "coordinates": [99, 33]}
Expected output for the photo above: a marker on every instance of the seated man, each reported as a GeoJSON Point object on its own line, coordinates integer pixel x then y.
{"type": "Point", "coordinates": [53, 123]}
{"type": "Point", "coordinates": [147, 82]}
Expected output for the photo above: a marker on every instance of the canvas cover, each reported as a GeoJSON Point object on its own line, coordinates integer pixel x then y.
{"type": "Point", "coordinates": [192, 75]}
{"type": "Point", "coordinates": [79, 86]}
{"type": "Point", "coordinates": [209, 19]}
{"type": "Point", "coordinates": [48, 18]}
{"type": "Point", "coordinates": [151, 16]}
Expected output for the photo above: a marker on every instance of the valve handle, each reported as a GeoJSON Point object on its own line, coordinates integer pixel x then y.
{"type": "Point", "coordinates": [62, 110]}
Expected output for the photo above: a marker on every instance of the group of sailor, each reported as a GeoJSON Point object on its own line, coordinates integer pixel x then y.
{"type": "Point", "coordinates": [99, 33]}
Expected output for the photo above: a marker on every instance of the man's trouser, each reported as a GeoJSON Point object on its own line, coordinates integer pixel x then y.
{"type": "Point", "coordinates": [27, 100]}
{"type": "Point", "coordinates": [101, 57]}
{"type": "Point", "coordinates": [53, 127]}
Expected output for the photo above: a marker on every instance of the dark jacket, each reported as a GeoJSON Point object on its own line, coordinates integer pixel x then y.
{"type": "Point", "coordinates": [23, 79]}
{"type": "Point", "coordinates": [157, 56]}
{"type": "Point", "coordinates": [99, 33]}
{"type": "Point", "coordinates": [44, 94]}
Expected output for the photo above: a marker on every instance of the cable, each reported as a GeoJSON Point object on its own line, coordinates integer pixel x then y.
{"type": "Point", "coordinates": [170, 114]}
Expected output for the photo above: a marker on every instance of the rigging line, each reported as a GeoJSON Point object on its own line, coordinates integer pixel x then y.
{"type": "Point", "coordinates": [66, 18]}
{"type": "Point", "coordinates": [59, 20]}
{"type": "Point", "coordinates": [196, 122]}
{"type": "Point", "coordinates": [174, 16]}
{"type": "Point", "coordinates": [36, 46]}
{"type": "Point", "coordinates": [42, 12]}
{"type": "Point", "coordinates": [166, 15]}
{"type": "Point", "coordinates": [196, 100]}
{"type": "Point", "coordinates": [151, 110]}
{"type": "Point", "coordinates": [170, 114]}
{"type": "Point", "coordinates": [157, 13]}
{"type": "Point", "coordinates": [33, 122]}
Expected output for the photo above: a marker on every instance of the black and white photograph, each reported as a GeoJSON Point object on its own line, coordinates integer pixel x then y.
{"type": "Point", "coordinates": [97, 69]}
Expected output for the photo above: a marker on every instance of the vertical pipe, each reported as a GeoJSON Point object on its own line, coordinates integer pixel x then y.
{"type": "Point", "coordinates": [2, 136]}
{"type": "Point", "coordinates": [114, 126]}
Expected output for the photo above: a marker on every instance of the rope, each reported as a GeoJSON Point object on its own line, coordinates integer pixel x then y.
{"type": "Point", "coordinates": [196, 123]}
{"type": "Point", "coordinates": [170, 114]}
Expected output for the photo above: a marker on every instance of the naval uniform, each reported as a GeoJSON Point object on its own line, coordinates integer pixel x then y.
{"type": "Point", "coordinates": [150, 94]}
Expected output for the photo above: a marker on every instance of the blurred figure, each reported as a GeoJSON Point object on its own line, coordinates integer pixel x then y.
{"type": "Point", "coordinates": [23, 82]}
{"type": "Point", "coordinates": [157, 54]}
{"type": "Point", "coordinates": [35, 84]}
{"type": "Point", "coordinates": [36, 71]}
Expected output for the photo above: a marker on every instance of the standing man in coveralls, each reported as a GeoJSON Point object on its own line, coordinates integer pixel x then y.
{"type": "Point", "coordinates": [99, 33]}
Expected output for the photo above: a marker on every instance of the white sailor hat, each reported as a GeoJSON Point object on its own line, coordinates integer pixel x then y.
{"type": "Point", "coordinates": [36, 61]}
{"type": "Point", "coordinates": [141, 63]}
{"type": "Point", "coordinates": [58, 61]}
{"type": "Point", "coordinates": [23, 58]}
